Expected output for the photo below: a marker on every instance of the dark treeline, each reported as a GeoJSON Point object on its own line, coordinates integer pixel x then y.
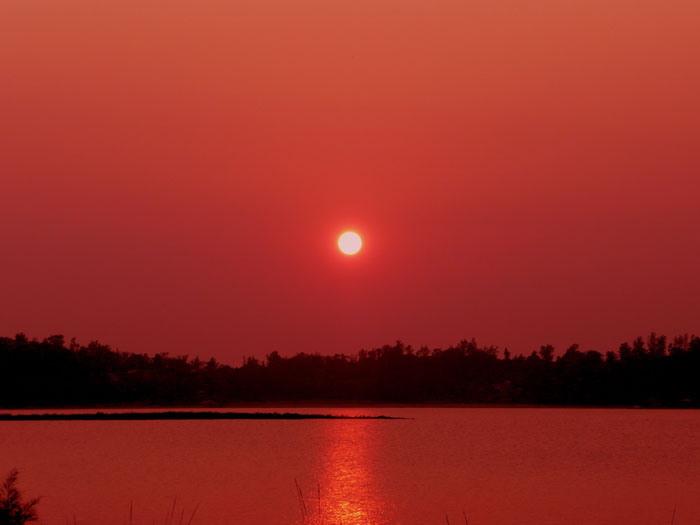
{"type": "Point", "coordinates": [651, 372]}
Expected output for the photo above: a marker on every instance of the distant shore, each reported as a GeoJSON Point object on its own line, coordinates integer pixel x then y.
{"type": "Point", "coordinates": [327, 404]}
{"type": "Point", "coordinates": [656, 372]}
{"type": "Point", "coordinates": [173, 415]}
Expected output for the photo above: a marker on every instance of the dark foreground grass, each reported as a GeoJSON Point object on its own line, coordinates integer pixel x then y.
{"type": "Point", "coordinates": [14, 510]}
{"type": "Point", "coordinates": [155, 416]}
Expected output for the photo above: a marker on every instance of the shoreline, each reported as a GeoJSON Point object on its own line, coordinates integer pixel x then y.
{"type": "Point", "coordinates": [266, 405]}
{"type": "Point", "coordinates": [175, 415]}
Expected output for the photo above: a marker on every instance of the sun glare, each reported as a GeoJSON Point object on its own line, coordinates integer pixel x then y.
{"type": "Point", "coordinates": [349, 243]}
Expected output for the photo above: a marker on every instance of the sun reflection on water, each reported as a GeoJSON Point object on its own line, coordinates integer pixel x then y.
{"type": "Point", "coordinates": [349, 493]}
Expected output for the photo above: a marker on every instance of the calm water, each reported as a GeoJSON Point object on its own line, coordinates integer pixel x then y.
{"type": "Point", "coordinates": [499, 465]}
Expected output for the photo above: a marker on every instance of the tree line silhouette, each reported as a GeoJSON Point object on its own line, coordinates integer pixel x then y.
{"type": "Point", "coordinates": [654, 371]}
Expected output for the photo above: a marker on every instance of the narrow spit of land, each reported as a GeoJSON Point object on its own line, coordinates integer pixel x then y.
{"type": "Point", "coordinates": [155, 416]}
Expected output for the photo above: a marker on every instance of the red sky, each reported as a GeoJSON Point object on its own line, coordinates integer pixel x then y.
{"type": "Point", "coordinates": [173, 175]}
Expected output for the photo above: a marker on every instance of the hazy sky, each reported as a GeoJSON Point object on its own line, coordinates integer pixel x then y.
{"type": "Point", "coordinates": [174, 175]}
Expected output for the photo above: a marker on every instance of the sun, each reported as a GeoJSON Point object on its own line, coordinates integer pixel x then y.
{"type": "Point", "coordinates": [349, 243]}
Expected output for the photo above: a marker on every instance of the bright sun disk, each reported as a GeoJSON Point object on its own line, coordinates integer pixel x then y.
{"type": "Point", "coordinates": [349, 243]}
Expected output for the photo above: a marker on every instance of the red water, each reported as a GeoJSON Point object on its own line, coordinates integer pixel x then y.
{"type": "Point", "coordinates": [496, 465]}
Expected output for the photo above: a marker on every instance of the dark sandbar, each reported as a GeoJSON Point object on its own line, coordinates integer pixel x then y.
{"type": "Point", "coordinates": [155, 416]}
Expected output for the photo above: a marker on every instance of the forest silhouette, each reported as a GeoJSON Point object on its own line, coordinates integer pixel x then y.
{"type": "Point", "coordinates": [651, 372]}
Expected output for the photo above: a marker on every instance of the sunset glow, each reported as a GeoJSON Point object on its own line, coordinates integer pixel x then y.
{"type": "Point", "coordinates": [519, 154]}
{"type": "Point", "coordinates": [341, 262]}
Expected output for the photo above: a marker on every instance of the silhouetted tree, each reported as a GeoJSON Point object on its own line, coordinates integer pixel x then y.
{"type": "Point", "coordinates": [14, 511]}
{"type": "Point", "coordinates": [547, 353]}
{"type": "Point", "coordinates": [47, 373]}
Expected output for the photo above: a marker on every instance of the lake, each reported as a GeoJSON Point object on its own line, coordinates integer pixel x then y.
{"type": "Point", "coordinates": [496, 465]}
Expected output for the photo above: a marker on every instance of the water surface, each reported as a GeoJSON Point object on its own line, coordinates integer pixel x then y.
{"type": "Point", "coordinates": [498, 465]}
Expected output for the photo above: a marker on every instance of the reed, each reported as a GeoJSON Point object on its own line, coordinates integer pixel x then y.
{"type": "Point", "coordinates": [302, 503]}
{"type": "Point", "coordinates": [170, 515]}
